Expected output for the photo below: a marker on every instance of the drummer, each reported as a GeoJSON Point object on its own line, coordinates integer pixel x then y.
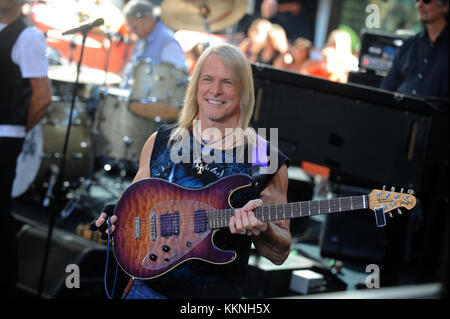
{"type": "Point", "coordinates": [155, 40]}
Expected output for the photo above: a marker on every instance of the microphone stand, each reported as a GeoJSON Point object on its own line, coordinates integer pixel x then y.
{"type": "Point", "coordinates": [59, 173]}
{"type": "Point", "coordinates": [108, 54]}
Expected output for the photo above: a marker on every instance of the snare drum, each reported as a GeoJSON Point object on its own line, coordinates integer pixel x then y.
{"type": "Point", "coordinates": [157, 90]}
{"type": "Point", "coordinates": [43, 147]}
{"type": "Point", "coordinates": [122, 134]}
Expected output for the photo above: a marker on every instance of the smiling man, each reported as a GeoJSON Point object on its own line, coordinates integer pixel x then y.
{"type": "Point", "coordinates": [421, 64]}
{"type": "Point", "coordinates": [220, 96]}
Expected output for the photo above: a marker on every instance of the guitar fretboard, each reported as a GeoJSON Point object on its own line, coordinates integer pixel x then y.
{"type": "Point", "coordinates": [221, 218]}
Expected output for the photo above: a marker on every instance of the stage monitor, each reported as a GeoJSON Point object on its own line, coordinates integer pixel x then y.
{"type": "Point", "coordinates": [366, 136]}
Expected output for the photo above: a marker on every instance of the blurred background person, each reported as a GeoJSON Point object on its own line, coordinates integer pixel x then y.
{"type": "Point", "coordinates": [296, 58]}
{"type": "Point", "coordinates": [154, 41]}
{"type": "Point", "coordinates": [269, 11]}
{"type": "Point", "coordinates": [337, 58]}
{"type": "Point", "coordinates": [256, 39]}
{"type": "Point", "coordinates": [420, 66]}
{"type": "Point", "coordinates": [193, 54]}
{"type": "Point", "coordinates": [277, 45]}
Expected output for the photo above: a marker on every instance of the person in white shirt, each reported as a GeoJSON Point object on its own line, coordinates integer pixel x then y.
{"type": "Point", "coordinates": [25, 93]}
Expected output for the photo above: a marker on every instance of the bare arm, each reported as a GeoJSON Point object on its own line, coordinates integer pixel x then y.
{"type": "Point", "coordinates": [144, 161]}
{"type": "Point", "coordinates": [41, 97]}
{"type": "Point", "coordinates": [142, 173]}
{"type": "Point", "coordinates": [271, 239]}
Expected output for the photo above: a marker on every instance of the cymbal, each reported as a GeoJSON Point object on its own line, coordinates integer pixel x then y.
{"type": "Point", "coordinates": [188, 14]}
{"type": "Point", "coordinates": [55, 36]}
{"type": "Point", "coordinates": [68, 73]}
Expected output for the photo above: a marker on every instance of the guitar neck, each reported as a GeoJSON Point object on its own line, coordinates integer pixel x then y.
{"type": "Point", "coordinates": [221, 218]}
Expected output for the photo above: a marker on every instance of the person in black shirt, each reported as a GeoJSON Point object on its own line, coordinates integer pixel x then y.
{"type": "Point", "coordinates": [25, 93]}
{"type": "Point", "coordinates": [220, 99]}
{"type": "Point", "coordinates": [420, 66]}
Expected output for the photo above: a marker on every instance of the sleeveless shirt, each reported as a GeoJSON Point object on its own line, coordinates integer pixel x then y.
{"type": "Point", "coordinates": [15, 91]}
{"type": "Point", "coordinates": [196, 278]}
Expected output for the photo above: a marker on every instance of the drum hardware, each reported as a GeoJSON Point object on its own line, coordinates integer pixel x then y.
{"type": "Point", "coordinates": [41, 149]}
{"type": "Point", "coordinates": [54, 174]}
{"type": "Point", "coordinates": [60, 172]}
{"type": "Point", "coordinates": [114, 123]}
{"type": "Point", "coordinates": [76, 197]}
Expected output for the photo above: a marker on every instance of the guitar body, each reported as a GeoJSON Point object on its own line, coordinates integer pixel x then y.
{"type": "Point", "coordinates": [160, 225]}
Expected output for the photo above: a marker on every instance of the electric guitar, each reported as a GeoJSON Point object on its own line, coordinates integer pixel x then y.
{"type": "Point", "coordinates": [160, 225]}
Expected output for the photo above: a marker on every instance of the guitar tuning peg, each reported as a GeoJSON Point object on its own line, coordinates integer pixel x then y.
{"type": "Point", "coordinates": [410, 191]}
{"type": "Point", "coordinates": [401, 190]}
{"type": "Point", "coordinates": [399, 211]}
{"type": "Point", "coordinates": [392, 189]}
{"type": "Point", "coordinates": [384, 187]}
{"type": "Point", "coordinates": [390, 215]}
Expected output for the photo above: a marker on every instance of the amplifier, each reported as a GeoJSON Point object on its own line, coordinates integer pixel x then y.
{"type": "Point", "coordinates": [366, 136]}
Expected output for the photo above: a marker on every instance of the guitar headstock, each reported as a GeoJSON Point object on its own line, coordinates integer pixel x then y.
{"type": "Point", "coordinates": [390, 200]}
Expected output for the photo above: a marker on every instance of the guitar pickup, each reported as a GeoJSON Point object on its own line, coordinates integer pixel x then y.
{"type": "Point", "coordinates": [166, 225]}
{"type": "Point", "coordinates": [200, 221]}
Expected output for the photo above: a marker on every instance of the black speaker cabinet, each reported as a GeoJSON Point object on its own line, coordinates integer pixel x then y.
{"type": "Point", "coordinates": [66, 248]}
{"type": "Point", "coordinates": [366, 136]}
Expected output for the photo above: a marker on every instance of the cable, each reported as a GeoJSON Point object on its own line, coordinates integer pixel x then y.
{"type": "Point", "coordinates": [106, 266]}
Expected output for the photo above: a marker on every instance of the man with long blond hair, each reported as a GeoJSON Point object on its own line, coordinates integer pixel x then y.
{"type": "Point", "coordinates": [219, 102]}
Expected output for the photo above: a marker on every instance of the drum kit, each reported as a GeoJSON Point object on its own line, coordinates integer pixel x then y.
{"type": "Point", "coordinates": [109, 123]}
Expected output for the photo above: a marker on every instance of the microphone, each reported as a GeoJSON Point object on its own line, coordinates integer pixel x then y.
{"type": "Point", "coordinates": [85, 26]}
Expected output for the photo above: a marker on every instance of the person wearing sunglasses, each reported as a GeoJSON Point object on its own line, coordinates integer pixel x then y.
{"type": "Point", "coordinates": [420, 66]}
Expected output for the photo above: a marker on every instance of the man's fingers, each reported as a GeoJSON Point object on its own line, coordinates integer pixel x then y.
{"type": "Point", "coordinates": [251, 205]}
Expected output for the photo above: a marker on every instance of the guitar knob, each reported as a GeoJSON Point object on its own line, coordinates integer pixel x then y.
{"type": "Point", "coordinates": [390, 215]}
{"type": "Point", "coordinates": [399, 211]}
{"type": "Point", "coordinates": [384, 187]}
{"type": "Point", "coordinates": [165, 248]}
{"type": "Point", "coordinates": [153, 257]}
{"type": "Point", "coordinates": [410, 191]}
{"type": "Point", "coordinates": [401, 190]}
{"type": "Point", "coordinates": [392, 189]}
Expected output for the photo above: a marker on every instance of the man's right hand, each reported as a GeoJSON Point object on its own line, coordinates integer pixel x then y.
{"type": "Point", "coordinates": [100, 223]}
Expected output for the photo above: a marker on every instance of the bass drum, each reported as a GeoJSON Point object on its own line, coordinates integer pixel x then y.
{"type": "Point", "coordinates": [122, 133]}
{"type": "Point", "coordinates": [43, 147]}
{"type": "Point", "coordinates": [157, 90]}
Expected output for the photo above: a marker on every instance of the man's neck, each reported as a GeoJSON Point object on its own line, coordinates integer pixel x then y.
{"type": "Point", "coordinates": [224, 128]}
{"type": "Point", "coordinates": [434, 29]}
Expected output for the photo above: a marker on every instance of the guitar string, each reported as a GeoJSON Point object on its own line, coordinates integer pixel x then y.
{"type": "Point", "coordinates": [190, 216]}
{"type": "Point", "coordinates": [264, 210]}
{"type": "Point", "coordinates": [286, 206]}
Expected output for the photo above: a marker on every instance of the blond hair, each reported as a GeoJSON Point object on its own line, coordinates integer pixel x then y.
{"type": "Point", "coordinates": [241, 72]}
{"type": "Point", "coordinates": [278, 37]}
